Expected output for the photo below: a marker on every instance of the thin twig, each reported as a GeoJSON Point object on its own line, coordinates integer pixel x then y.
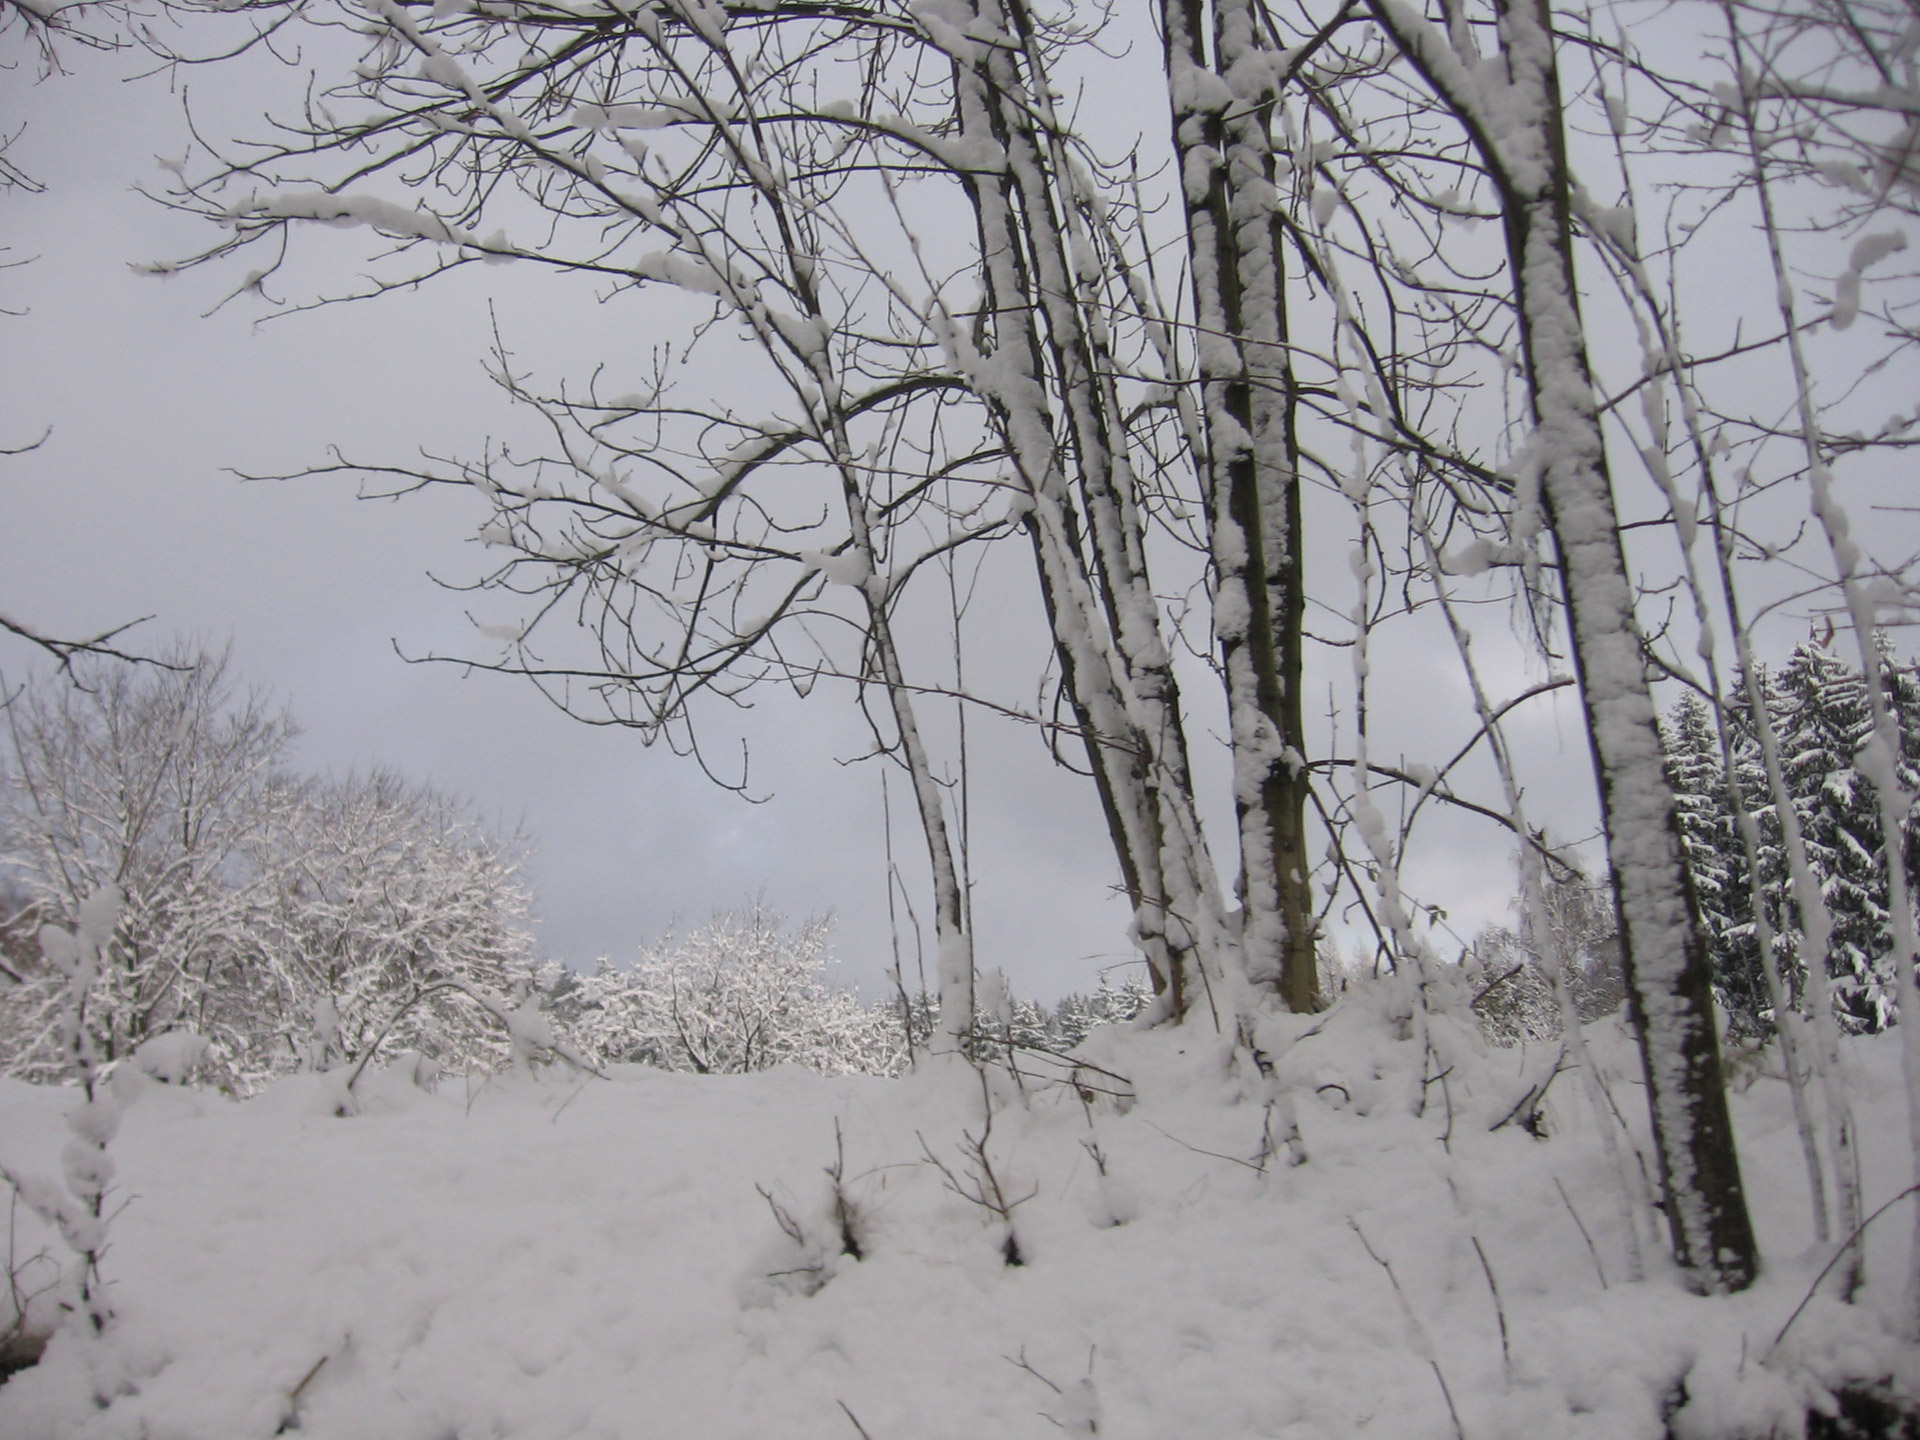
{"type": "Point", "coordinates": [98, 646]}
{"type": "Point", "coordinates": [1598, 1269]}
{"type": "Point", "coordinates": [844, 1214]}
{"type": "Point", "coordinates": [1499, 1310]}
{"type": "Point", "coordinates": [1210, 1154]}
{"type": "Point", "coordinates": [555, 1119]}
{"type": "Point", "coordinates": [854, 1418]}
{"type": "Point", "coordinates": [1827, 1269]}
{"type": "Point", "coordinates": [1530, 1100]}
{"type": "Point", "coordinates": [293, 1396]}
{"type": "Point", "coordinates": [1020, 1362]}
{"type": "Point", "coordinates": [783, 1217]}
{"type": "Point", "coordinates": [1413, 1323]}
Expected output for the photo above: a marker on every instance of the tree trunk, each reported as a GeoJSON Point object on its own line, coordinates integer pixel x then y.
{"type": "Point", "coordinates": [1662, 941]}
{"type": "Point", "coordinates": [1222, 112]}
{"type": "Point", "coordinates": [1048, 381]}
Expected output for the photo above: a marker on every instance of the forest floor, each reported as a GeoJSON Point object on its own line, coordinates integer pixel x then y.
{"type": "Point", "coordinates": [783, 1256]}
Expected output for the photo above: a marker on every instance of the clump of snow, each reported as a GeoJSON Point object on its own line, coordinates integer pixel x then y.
{"type": "Point", "coordinates": [845, 567]}
{"type": "Point", "coordinates": [171, 1057]}
{"type": "Point", "coordinates": [771, 1254]}
{"type": "Point", "coordinates": [1869, 251]}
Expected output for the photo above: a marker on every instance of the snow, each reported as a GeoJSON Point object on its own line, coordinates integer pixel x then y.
{"type": "Point", "coordinates": [665, 1254]}
{"type": "Point", "coordinates": [170, 1057]}
{"type": "Point", "coordinates": [1869, 251]}
{"type": "Point", "coordinates": [385, 216]}
{"type": "Point", "coordinates": [687, 272]}
{"type": "Point", "coordinates": [849, 567]}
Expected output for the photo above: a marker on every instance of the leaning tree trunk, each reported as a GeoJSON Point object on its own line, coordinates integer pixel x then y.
{"type": "Point", "coordinates": [1663, 944]}
{"type": "Point", "coordinates": [1048, 381]}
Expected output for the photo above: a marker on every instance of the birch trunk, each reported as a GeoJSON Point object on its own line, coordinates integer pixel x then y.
{"type": "Point", "coordinates": [1878, 759]}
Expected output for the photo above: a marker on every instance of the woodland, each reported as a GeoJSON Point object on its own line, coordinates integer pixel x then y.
{"type": "Point", "coordinates": [1568, 341]}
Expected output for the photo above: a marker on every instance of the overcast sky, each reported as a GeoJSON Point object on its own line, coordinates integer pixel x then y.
{"type": "Point", "coordinates": [129, 509]}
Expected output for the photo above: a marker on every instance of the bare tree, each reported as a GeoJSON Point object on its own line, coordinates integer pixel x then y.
{"type": "Point", "coordinates": [286, 922]}
{"type": "Point", "coordinates": [153, 782]}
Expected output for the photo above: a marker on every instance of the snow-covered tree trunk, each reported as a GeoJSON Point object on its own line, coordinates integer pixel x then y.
{"type": "Point", "coordinates": [1044, 366]}
{"type": "Point", "coordinates": [1516, 124]}
{"type": "Point", "coordinates": [1223, 88]}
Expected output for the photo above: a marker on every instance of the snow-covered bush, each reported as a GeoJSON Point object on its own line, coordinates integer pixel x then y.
{"type": "Point", "coordinates": [385, 888]}
{"type": "Point", "coordinates": [747, 991]}
{"type": "Point", "coordinates": [1513, 990]}
{"type": "Point", "coordinates": [743, 992]}
{"type": "Point", "coordinates": [287, 921]}
{"type": "Point", "coordinates": [76, 1206]}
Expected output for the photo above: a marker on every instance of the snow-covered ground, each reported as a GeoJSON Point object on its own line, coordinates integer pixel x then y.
{"type": "Point", "coordinates": [661, 1255]}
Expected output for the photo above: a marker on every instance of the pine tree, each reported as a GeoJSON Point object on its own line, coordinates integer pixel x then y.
{"type": "Point", "coordinates": [1716, 862]}
{"type": "Point", "coordinates": [1822, 719]}
{"type": "Point", "coordinates": [1818, 706]}
{"type": "Point", "coordinates": [1073, 1017]}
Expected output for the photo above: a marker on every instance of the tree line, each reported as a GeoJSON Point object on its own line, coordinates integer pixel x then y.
{"type": "Point", "coordinates": [282, 922]}
{"type": "Point", "coordinates": [287, 919]}
{"type": "Point", "coordinates": [747, 991]}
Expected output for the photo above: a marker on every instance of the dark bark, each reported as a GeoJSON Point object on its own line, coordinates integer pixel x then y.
{"type": "Point", "coordinates": [1249, 474]}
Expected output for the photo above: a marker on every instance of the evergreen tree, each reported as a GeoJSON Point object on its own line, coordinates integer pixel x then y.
{"type": "Point", "coordinates": [1072, 1018]}
{"type": "Point", "coordinates": [1716, 861]}
{"type": "Point", "coordinates": [1822, 717]}
{"type": "Point", "coordinates": [1030, 1025]}
{"type": "Point", "coordinates": [1818, 707]}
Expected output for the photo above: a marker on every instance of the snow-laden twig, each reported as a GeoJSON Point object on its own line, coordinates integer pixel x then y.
{"type": "Point", "coordinates": [1421, 1341]}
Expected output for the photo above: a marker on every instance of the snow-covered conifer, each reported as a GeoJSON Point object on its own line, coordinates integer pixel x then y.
{"type": "Point", "coordinates": [1715, 859]}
